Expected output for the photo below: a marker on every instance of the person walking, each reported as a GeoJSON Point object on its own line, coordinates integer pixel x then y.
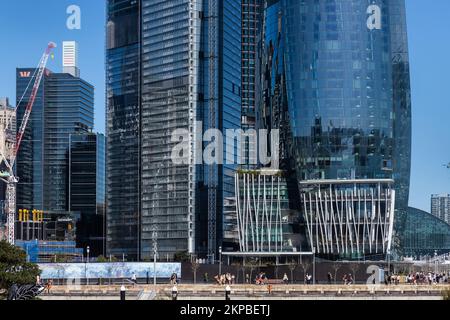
{"type": "Point", "coordinates": [285, 279]}
{"type": "Point", "coordinates": [134, 279]}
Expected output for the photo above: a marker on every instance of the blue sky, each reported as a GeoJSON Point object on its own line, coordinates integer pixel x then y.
{"type": "Point", "coordinates": [26, 26]}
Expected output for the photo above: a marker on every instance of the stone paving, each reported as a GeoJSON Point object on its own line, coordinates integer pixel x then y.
{"type": "Point", "coordinates": [249, 292]}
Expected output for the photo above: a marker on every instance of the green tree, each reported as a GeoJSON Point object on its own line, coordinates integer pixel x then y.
{"type": "Point", "coordinates": [182, 256]}
{"type": "Point", "coordinates": [102, 259]}
{"type": "Point", "coordinates": [61, 258]}
{"type": "Point", "coordinates": [14, 268]}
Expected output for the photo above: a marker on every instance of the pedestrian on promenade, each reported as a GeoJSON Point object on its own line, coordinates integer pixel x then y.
{"type": "Point", "coordinates": [285, 279]}
{"type": "Point", "coordinates": [349, 279]}
{"type": "Point", "coordinates": [344, 279]}
{"type": "Point", "coordinates": [49, 285]}
{"type": "Point", "coordinates": [134, 279]}
{"type": "Point", "coordinates": [269, 289]}
{"type": "Point", "coordinates": [329, 277]}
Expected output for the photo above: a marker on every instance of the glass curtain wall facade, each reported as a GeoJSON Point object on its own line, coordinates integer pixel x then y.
{"type": "Point", "coordinates": [30, 166]}
{"type": "Point", "coordinates": [169, 33]}
{"type": "Point", "coordinates": [251, 28]}
{"type": "Point", "coordinates": [64, 105]}
{"type": "Point", "coordinates": [425, 234]}
{"type": "Point", "coordinates": [69, 108]}
{"type": "Point", "coordinates": [347, 90]}
{"type": "Point", "coordinates": [87, 189]}
{"type": "Point", "coordinates": [159, 80]}
{"type": "Point", "coordinates": [123, 128]}
{"type": "Point", "coordinates": [220, 91]}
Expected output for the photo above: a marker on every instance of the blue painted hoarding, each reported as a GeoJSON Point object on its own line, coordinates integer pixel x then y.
{"type": "Point", "coordinates": [119, 270]}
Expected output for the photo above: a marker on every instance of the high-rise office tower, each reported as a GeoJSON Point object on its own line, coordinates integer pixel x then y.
{"type": "Point", "coordinates": [251, 32]}
{"type": "Point", "coordinates": [64, 105]}
{"type": "Point", "coordinates": [440, 206]}
{"type": "Point", "coordinates": [123, 128]}
{"type": "Point", "coordinates": [170, 65]}
{"type": "Point", "coordinates": [87, 189]}
{"type": "Point", "coordinates": [336, 82]}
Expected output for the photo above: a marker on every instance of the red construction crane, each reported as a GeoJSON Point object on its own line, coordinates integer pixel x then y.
{"type": "Point", "coordinates": [8, 157]}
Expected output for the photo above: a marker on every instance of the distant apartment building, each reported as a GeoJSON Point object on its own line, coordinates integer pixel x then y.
{"type": "Point", "coordinates": [440, 206]}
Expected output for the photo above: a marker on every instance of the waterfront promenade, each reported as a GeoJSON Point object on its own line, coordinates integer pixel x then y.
{"type": "Point", "coordinates": [250, 292]}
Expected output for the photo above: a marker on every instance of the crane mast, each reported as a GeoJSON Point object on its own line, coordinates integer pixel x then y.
{"type": "Point", "coordinates": [9, 177]}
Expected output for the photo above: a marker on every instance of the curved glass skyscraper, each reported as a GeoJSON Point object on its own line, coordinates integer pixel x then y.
{"type": "Point", "coordinates": [339, 69]}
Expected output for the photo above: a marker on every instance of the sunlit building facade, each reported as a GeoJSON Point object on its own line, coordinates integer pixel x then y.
{"type": "Point", "coordinates": [170, 65]}
{"type": "Point", "coordinates": [336, 84]}
{"type": "Point", "coordinates": [425, 234]}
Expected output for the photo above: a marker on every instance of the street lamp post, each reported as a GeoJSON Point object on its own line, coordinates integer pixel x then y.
{"type": "Point", "coordinates": [87, 261]}
{"type": "Point", "coordinates": [388, 252]}
{"type": "Point", "coordinates": [155, 252]}
{"type": "Point", "coordinates": [123, 292]}
{"type": "Point", "coordinates": [174, 293]}
{"type": "Point", "coordinates": [435, 263]}
{"type": "Point", "coordinates": [227, 293]}
{"type": "Point", "coordinates": [220, 261]}
{"type": "Point", "coordinates": [314, 265]}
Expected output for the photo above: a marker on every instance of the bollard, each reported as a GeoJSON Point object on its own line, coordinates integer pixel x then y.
{"type": "Point", "coordinates": [227, 293]}
{"type": "Point", "coordinates": [174, 293]}
{"type": "Point", "coordinates": [123, 293]}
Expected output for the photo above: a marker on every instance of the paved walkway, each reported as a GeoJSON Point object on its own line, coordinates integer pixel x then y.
{"type": "Point", "coordinates": [250, 292]}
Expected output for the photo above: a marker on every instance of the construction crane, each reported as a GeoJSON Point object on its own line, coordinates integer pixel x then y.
{"type": "Point", "coordinates": [10, 145]}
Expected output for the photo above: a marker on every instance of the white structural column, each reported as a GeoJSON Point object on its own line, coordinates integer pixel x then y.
{"type": "Point", "coordinates": [259, 212]}
{"type": "Point", "coordinates": [353, 217]}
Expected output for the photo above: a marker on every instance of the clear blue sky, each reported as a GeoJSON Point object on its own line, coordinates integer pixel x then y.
{"type": "Point", "coordinates": [27, 25]}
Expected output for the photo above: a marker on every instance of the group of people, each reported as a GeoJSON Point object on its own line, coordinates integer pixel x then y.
{"type": "Point", "coordinates": [419, 278]}
{"type": "Point", "coordinates": [47, 285]}
{"type": "Point", "coordinates": [347, 279]}
{"type": "Point", "coordinates": [225, 279]}
{"type": "Point", "coordinates": [261, 279]}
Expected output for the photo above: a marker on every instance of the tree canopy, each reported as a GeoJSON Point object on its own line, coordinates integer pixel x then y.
{"type": "Point", "coordinates": [14, 268]}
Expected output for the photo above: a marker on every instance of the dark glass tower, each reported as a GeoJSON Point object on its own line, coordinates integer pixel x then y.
{"type": "Point", "coordinates": [170, 65]}
{"type": "Point", "coordinates": [123, 128]}
{"type": "Point", "coordinates": [251, 32]}
{"type": "Point", "coordinates": [343, 67]}
{"type": "Point", "coordinates": [30, 164]}
{"type": "Point", "coordinates": [64, 105]}
{"type": "Point", "coordinates": [87, 189]}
